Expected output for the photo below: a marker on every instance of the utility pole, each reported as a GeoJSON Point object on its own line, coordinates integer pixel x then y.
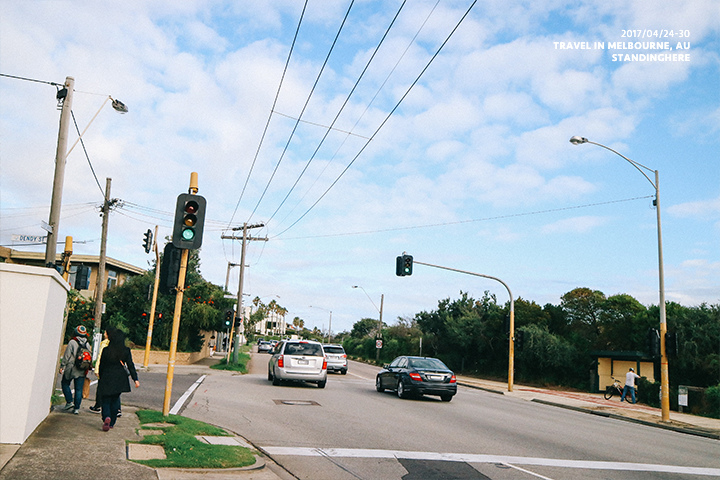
{"type": "Point", "coordinates": [59, 178]}
{"type": "Point", "coordinates": [379, 334]}
{"type": "Point", "coordinates": [245, 239]}
{"type": "Point", "coordinates": [100, 280]}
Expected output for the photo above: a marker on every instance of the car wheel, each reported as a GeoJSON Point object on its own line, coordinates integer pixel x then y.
{"type": "Point", "coordinates": [401, 392]}
{"type": "Point", "coordinates": [270, 375]}
{"type": "Point", "coordinates": [446, 398]}
{"type": "Point", "coordinates": [322, 384]}
{"type": "Point", "coordinates": [343, 372]}
{"type": "Point", "coordinates": [276, 380]}
{"type": "Point", "coordinates": [378, 385]}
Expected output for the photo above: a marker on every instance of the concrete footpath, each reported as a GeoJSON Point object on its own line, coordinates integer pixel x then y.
{"type": "Point", "coordinates": [74, 446]}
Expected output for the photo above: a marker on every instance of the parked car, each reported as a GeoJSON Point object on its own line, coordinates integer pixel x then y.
{"type": "Point", "coordinates": [417, 376]}
{"type": "Point", "coordinates": [298, 360]}
{"type": "Point", "coordinates": [336, 358]}
{"type": "Point", "coordinates": [264, 346]}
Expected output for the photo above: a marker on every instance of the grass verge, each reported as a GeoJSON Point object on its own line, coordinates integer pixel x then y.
{"type": "Point", "coordinates": [241, 366]}
{"type": "Point", "coordinates": [183, 450]}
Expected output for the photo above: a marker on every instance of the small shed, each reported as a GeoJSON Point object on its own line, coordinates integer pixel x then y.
{"type": "Point", "coordinates": [611, 364]}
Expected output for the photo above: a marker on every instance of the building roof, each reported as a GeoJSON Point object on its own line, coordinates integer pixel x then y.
{"type": "Point", "coordinates": [16, 256]}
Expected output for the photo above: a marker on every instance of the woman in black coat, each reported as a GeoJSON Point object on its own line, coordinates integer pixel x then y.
{"type": "Point", "coordinates": [113, 377]}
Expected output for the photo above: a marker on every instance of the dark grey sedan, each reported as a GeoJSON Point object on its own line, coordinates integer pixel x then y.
{"type": "Point", "coordinates": [410, 376]}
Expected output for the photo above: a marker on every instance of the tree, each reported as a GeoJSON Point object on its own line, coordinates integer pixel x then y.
{"type": "Point", "coordinates": [365, 327]}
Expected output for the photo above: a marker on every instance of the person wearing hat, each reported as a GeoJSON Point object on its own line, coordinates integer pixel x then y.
{"type": "Point", "coordinates": [630, 378]}
{"type": "Point", "coordinates": [70, 372]}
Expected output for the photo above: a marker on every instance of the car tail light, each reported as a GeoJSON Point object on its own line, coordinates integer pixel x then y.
{"type": "Point", "coordinates": [324, 364]}
{"type": "Point", "coordinates": [344, 355]}
{"type": "Point", "coordinates": [416, 377]}
{"type": "Point", "coordinates": [281, 362]}
{"type": "Point", "coordinates": [453, 379]}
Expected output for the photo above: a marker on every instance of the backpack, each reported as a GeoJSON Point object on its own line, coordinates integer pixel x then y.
{"type": "Point", "coordinates": [83, 357]}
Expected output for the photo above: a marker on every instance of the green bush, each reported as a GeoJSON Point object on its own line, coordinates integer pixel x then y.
{"type": "Point", "coordinates": [712, 399]}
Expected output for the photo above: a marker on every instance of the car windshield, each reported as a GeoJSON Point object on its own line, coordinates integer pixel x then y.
{"type": "Point", "coordinates": [427, 363]}
{"type": "Point", "coordinates": [308, 349]}
{"type": "Point", "coordinates": [333, 349]}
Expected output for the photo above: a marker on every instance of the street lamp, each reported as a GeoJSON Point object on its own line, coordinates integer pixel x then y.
{"type": "Point", "coordinates": [66, 96]}
{"type": "Point", "coordinates": [380, 310]}
{"type": "Point", "coordinates": [329, 322]}
{"type": "Point", "coordinates": [664, 380]}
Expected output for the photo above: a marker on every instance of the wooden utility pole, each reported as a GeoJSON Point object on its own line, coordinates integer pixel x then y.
{"type": "Point", "coordinates": [239, 313]}
{"type": "Point", "coordinates": [100, 279]}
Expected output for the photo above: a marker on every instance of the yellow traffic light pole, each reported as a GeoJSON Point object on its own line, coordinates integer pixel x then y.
{"type": "Point", "coordinates": [178, 309]}
{"type": "Point", "coordinates": [146, 360]}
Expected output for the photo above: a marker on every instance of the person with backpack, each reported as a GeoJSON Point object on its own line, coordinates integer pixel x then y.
{"type": "Point", "coordinates": [113, 379]}
{"type": "Point", "coordinates": [75, 363]}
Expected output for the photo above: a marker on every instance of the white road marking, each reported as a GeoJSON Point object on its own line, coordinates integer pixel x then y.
{"type": "Point", "coordinates": [480, 458]}
{"type": "Point", "coordinates": [181, 401]}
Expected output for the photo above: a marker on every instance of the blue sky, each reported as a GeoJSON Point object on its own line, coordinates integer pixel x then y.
{"type": "Point", "coordinates": [472, 170]}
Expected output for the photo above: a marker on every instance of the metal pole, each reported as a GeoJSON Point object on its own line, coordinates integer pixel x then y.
{"type": "Point", "coordinates": [664, 376]}
{"type": "Point", "coordinates": [100, 278]}
{"type": "Point", "coordinates": [511, 360]}
{"type": "Point", "coordinates": [59, 177]}
{"type": "Point", "coordinates": [151, 322]}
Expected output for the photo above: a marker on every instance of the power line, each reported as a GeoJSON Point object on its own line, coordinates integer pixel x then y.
{"type": "Point", "coordinates": [485, 219]}
{"type": "Point", "coordinates": [267, 124]}
{"type": "Point", "coordinates": [385, 120]}
{"type": "Point", "coordinates": [341, 109]}
{"type": "Point", "coordinates": [307, 102]}
{"type": "Point", "coordinates": [367, 107]}
{"type": "Point", "coordinates": [82, 143]}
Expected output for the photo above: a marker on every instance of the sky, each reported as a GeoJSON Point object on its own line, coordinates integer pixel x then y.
{"type": "Point", "coordinates": [356, 131]}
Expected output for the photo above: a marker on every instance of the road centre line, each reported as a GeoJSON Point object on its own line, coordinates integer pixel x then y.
{"type": "Point", "coordinates": [181, 401]}
{"type": "Point", "coordinates": [480, 458]}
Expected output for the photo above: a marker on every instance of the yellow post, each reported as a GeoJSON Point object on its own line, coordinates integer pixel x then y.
{"type": "Point", "coordinates": [511, 358]}
{"type": "Point", "coordinates": [175, 331]}
{"type": "Point", "coordinates": [146, 360]}
{"type": "Point", "coordinates": [178, 309]}
{"type": "Point", "coordinates": [67, 253]}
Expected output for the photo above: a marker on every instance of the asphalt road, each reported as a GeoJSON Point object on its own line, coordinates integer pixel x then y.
{"type": "Point", "coordinates": [349, 431]}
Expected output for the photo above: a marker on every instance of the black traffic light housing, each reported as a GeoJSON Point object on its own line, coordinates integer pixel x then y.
{"type": "Point", "coordinates": [147, 243]}
{"type": "Point", "coordinates": [170, 269]}
{"type": "Point", "coordinates": [653, 341]}
{"type": "Point", "coordinates": [82, 275]}
{"type": "Point", "coordinates": [519, 339]}
{"type": "Point", "coordinates": [671, 344]}
{"type": "Point", "coordinates": [229, 317]}
{"type": "Point", "coordinates": [403, 265]}
{"type": "Point", "coordinates": [189, 221]}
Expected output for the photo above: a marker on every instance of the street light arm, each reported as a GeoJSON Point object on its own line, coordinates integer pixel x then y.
{"type": "Point", "coordinates": [368, 296]}
{"type": "Point", "coordinates": [580, 140]}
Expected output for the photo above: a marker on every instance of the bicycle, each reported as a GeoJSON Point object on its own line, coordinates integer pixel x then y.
{"type": "Point", "coordinates": [614, 389]}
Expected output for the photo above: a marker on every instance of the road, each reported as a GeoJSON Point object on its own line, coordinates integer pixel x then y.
{"type": "Point", "coordinates": [349, 431]}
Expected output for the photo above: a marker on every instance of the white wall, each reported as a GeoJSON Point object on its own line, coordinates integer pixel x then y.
{"type": "Point", "coordinates": [32, 306]}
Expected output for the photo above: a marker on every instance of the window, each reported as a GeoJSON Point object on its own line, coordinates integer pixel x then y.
{"type": "Point", "coordinates": [112, 279]}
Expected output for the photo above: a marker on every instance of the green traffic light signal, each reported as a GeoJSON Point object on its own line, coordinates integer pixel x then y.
{"type": "Point", "coordinates": [189, 220]}
{"type": "Point", "coordinates": [403, 265]}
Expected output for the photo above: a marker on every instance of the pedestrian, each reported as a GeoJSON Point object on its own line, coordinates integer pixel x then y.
{"type": "Point", "coordinates": [98, 394]}
{"type": "Point", "coordinates": [211, 344]}
{"type": "Point", "coordinates": [71, 373]}
{"type": "Point", "coordinates": [630, 378]}
{"type": "Point", "coordinates": [116, 365]}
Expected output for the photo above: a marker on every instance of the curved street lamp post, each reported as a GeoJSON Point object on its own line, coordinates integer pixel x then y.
{"type": "Point", "coordinates": [664, 380]}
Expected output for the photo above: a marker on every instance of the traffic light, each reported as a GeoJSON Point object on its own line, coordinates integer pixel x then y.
{"type": "Point", "coordinates": [519, 339]}
{"type": "Point", "coordinates": [403, 265]}
{"type": "Point", "coordinates": [82, 277]}
{"type": "Point", "coordinates": [653, 342]}
{"type": "Point", "coordinates": [228, 317]}
{"type": "Point", "coordinates": [237, 321]}
{"type": "Point", "coordinates": [148, 241]}
{"type": "Point", "coordinates": [671, 344]}
{"type": "Point", "coordinates": [170, 269]}
{"type": "Point", "coordinates": [189, 221]}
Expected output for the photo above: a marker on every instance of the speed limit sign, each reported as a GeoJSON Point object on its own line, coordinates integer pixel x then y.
{"type": "Point", "coordinates": [378, 343]}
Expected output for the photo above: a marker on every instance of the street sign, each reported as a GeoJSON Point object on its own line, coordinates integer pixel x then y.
{"type": "Point", "coordinates": [378, 343]}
